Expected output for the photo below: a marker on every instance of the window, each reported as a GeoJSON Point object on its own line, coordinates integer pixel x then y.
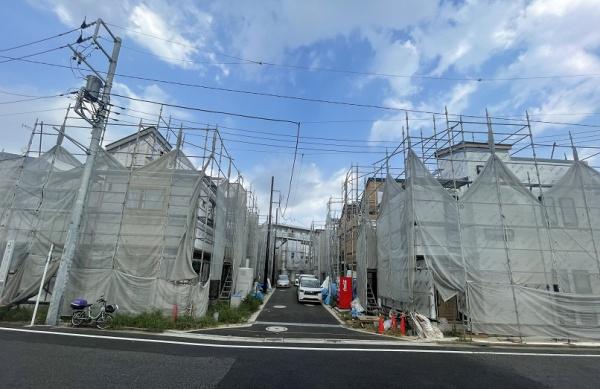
{"type": "Point", "coordinates": [420, 262]}
{"type": "Point", "coordinates": [495, 234]}
{"type": "Point", "coordinates": [563, 281]}
{"type": "Point", "coordinates": [568, 211]}
{"type": "Point", "coordinates": [145, 198]}
{"type": "Point", "coordinates": [582, 282]}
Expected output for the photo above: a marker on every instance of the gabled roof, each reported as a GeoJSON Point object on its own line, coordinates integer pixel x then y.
{"type": "Point", "coordinates": [144, 133]}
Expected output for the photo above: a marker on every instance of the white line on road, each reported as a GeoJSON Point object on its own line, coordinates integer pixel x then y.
{"type": "Point", "coordinates": [239, 346]}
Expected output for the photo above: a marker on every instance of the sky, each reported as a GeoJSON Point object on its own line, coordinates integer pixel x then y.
{"type": "Point", "coordinates": [538, 56]}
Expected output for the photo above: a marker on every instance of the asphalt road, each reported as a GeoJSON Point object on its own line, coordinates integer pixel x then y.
{"type": "Point", "coordinates": [300, 320]}
{"type": "Point", "coordinates": [52, 360]}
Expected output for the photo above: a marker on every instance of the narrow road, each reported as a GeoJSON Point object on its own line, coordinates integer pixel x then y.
{"type": "Point", "coordinates": [32, 359]}
{"type": "Point", "coordinates": [284, 317]}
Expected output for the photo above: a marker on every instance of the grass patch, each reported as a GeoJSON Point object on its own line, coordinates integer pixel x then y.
{"type": "Point", "coordinates": [155, 321]}
{"type": "Point", "coordinates": [23, 314]}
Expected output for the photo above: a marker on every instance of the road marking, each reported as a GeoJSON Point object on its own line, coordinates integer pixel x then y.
{"type": "Point", "coordinates": [302, 348]}
{"type": "Point", "coordinates": [276, 329]}
{"type": "Point", "coordinates": [279, 323]}
{"type": "Point", "coordinates": [279, 306]}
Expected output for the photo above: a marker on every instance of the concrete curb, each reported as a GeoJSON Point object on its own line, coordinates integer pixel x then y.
{"type": "Point", "coordinates": [249, 323]}
{"type": "Point", "coordinates": [227, 338]}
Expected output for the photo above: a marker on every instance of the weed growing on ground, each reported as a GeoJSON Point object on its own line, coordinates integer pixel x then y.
{"type": "Point", "coordinates": [156, 321]}
{"type": "Point", "coordinates": [23, 314]}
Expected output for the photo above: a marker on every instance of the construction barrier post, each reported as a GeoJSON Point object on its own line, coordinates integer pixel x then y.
{"type": "Point", "coordinates": [403, 325]}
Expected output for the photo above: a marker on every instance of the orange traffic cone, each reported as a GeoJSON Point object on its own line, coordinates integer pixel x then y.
{"type": "Point", "coordinates": [403, 325]}
{"type": "Point", "coordinates": [381, 327]}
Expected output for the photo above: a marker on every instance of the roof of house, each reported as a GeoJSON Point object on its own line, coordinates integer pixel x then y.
{"type": "Point", "coordinates": [142, 134]}
{"type": "Point", "coordinates": [471, 146]}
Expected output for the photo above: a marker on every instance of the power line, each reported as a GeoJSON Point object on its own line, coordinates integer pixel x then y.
{"type": "Point", "coordinates": [208, 110]}
{"type": "Point", "coordinates": [33, 99]}
{"type": "Point", "coordinates": [192, 62]}
{"type": "Point", "coordinates": [306, 99]}
{"type": "Point", "coordinates": [34, 54]}
{"type": "Point", "coordinates": [361, 73]}
{"type": "Point", "coordinates": [30, 112]}
{"type": "Point", "coordinates": [293, 166]}
{"type": "Point", "coordinates": [39, 40]}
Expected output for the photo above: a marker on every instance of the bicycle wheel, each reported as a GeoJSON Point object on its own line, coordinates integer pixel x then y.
{"type": "Point", "coordinates": [78, 318]}
{"type": "Point", "coordinates": [104, 321]}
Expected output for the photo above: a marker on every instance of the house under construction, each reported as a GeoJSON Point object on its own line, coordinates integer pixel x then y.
{"type": "Point", "coordinates": [160, 229]}
{"type": "Point", "coordinates": [477, 225]}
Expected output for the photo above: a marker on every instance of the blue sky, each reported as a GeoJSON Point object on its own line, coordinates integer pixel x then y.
{"type": "Point", "coordinates": [453, 40]}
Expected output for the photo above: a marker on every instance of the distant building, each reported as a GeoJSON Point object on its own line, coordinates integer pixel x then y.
{"type": "Point", "coordinates": [293, 249]}
{"type": "Point", "coordinates": [147, 145]}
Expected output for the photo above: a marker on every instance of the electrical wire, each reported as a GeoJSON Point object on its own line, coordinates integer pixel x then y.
{"type": "Point", "coordinates": [306, 99]}
{"type": "Point", "coordinates": [270, 119]}
{"type": "Point", "coordinates": [39, 40]}
{"type": "Point", "coordinates": [34, 54]}
{"type": "Point", "coordinates": [361, 73]}
{"type": "Point", "coordinates": [30, 112]}
{"type": "Point", "coordinates": [287, 198]}
{"type": "Point", "coordinates": [34, 98]}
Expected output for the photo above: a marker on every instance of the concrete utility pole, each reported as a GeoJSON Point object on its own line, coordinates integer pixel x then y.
{"type": "Point", "coordinates": [267, 251]}
{"type": "Point", "coordinates": [89, 94]}
{"type": "Point", "coordinates": [275, 247]}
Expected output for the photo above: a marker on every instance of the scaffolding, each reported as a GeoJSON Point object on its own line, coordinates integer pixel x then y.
{"type": "Point", "coordinates": [155, 234]}
{"type": "Point", "coordinates": [479, 224]}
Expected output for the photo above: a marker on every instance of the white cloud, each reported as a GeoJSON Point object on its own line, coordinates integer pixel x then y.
{"type": "Point", "coordinates": [465, 35]}
{"type": "Point", "coordinates": [140, 109]}
{"type": "Point", "coordinates": [17, 122]}
{"type": "Point", "coordinates": [269, 31]}
{"type": "Point", "coordinates": [311, 189]}
{"type": "Point", "coordinates": [182, 27]}
{"type": "Point", "coordinates": [173, 47]}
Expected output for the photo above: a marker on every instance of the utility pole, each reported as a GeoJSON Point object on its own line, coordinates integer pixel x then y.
{"type": "Point", "coordinates": [90, 95]}
{"type": "Point", "coordinates": [275, 246]}
{"type": "Point", "coordinates": [267, 251]}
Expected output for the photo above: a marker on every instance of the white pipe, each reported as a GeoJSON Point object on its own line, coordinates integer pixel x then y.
{"type": "Point", "coordinates": [39, 295]}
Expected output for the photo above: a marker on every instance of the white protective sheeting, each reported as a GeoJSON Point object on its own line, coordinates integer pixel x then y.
{"type": "Point", "coordinates": [523, 267]}
{"type": "Point", "coordinates": [366, 257]}
{"type": "Point", "coordinates": [137, 234]}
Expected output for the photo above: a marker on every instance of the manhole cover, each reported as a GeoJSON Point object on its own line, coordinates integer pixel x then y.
{"type": "Point", "coordinates": [276, 329]}
{"type": "Point", "coordinates": [279, 306]}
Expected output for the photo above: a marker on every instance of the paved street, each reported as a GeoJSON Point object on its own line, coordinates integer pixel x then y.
{"type": "Point", "coordinates": [300, 321]}
{"type": "Point", "coordinates": [63, 359]}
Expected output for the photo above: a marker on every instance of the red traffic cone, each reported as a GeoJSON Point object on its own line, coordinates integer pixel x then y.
{"type": "Point", "coordinates": [381, 327]}
{"type": "Point", "coordinates": [403, 325]}
{"type": "Point", "coordinates": [394, 322]}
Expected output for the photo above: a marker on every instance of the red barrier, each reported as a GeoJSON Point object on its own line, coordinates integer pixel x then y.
{"type": "Point", "coordinates": [345, 293]}
{"type": "Point", "coordinates": [403, 325]}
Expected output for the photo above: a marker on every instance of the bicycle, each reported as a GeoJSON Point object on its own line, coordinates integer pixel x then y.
{"type": "Point", "coordinates": [82, 313]}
